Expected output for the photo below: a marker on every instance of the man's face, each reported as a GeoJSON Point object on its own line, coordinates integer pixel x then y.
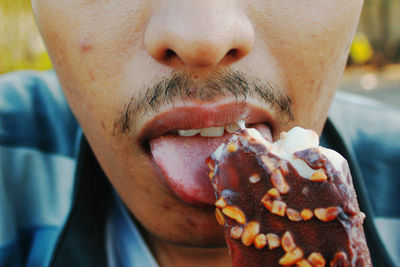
{"type": "Point", "coordinates": [137, 71]}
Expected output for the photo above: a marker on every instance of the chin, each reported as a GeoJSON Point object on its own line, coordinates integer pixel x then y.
{"type": "Point", "coordinates": [183, 225]}
{"type": "Point", "coordinates": [199, 239]}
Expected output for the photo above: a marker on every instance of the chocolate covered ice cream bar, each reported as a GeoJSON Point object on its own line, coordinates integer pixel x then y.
{"type": "Point", "coordinates": [288, 203]}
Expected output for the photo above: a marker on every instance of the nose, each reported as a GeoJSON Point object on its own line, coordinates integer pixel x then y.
{"type": "Point", "coordinates": [199, 33]}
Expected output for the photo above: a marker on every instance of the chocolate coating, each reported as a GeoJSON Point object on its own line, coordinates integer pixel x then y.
{"type": "Point", "coordinates": [340, 239]}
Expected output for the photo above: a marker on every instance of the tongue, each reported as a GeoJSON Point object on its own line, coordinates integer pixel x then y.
{"type": "Point", "coordinates": [182, 163]}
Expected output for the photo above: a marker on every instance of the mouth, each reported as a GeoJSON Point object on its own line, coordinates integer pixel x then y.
{"type": "Point", "coordinates": [179, 140]}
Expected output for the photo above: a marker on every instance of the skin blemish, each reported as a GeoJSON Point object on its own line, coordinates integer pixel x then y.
{"type": "Point", "coordinates": [86, 45]}
{"type": "Point", "coordinates": [103, 125]}
{"type": "Point", "coordinates": [166, 207]}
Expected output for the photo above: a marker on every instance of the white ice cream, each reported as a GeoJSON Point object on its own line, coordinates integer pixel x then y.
{"type": "Point", "coordinates": [297, 139]}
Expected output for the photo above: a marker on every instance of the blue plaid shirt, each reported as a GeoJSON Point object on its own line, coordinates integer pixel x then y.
{"type": "Point", "coordinates": [39, 148]}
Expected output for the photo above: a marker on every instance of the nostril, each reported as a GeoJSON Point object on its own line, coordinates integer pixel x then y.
{"type": "Point", "coordinates": [233, 52]}
{"type": "Point", "coordinates": [169, 54]}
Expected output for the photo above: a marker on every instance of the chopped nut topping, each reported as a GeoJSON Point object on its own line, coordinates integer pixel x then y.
{"type": "Point", "coordinates": [291, 257]}
{"type": "Point", "coordinates": [236, 232]}
{"type": "Point", "coordinates": [211, 175]}
{"type": "Point", "coordinates": [278, 181]}
{"type": "Point", "coordinates": [260, 241]}
{"type": "Point", "coordinates": [234, 213]}
{"type": "Point", "coordinates": [278, 208]}
{"type": "Point", "coordinates": [232, 147]}
{"type": "Point", "coordinates": [273, 192]}
{"type": "Point", "coordinates": [210, 163]}
{"type": "Point", "coordinates": [220, 203]}
{"type": "Point", "coordinates": [267, 202]}
{"type": "Point", "coordinates": [293, 215]}
{"type": "Point", "coordinates": [306, 214]}
{"type": "Point", "coordinates": [327, 214]}
{"type": "Point", "coordinates": [220, 217]}
{"type": "Point", "coordinates": [255, 178]}
{"type": "Point", "coordinates": [303, 263]}
{"type": "Point", "coordinates": [268, 163]}
{"type": "Point", "coordinates": [318, 177]}
{"type": "Point", "coordinates": [350, 209]}
{"type": "Point", "coordinates": [273, 241]}
{"type": "Point", "coordinates": [340, 260]}
{"type": "Point", "coordinates": [251, 230]}
{"type": "Point", "coordinates": [283, 168]}
{"type": "Point", "coordinates": [287, 242]}
{"type": "Point", "coordinates": [316, 259]}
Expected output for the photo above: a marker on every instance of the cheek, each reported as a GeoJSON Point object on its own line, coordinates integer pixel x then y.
{"type": "Point", "coordinates": [90, 52]}
{"type": "Point", "coordinates": [310, 40]}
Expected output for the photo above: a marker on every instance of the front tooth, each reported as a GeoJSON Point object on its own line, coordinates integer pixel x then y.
{"type": "Point", "coordinates": [233, 127]}
{"type": "Point", "coordinates": [212, 131]}
{"type": "Point", "coordinates": [190, 132]}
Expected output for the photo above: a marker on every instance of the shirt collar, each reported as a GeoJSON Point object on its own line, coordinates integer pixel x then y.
{"type": "Point", "coordinates": [124, 243]}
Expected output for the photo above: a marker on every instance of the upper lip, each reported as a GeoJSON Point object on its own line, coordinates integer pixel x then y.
{"type": "Point", "coordinates": [201, 116]}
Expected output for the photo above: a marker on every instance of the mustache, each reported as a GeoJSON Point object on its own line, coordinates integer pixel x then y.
{"type": "Point", "coordinates": [181, 86]}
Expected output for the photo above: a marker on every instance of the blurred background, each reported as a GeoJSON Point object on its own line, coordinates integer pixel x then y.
{"type": "Point", "coordinates": [21, 46]}
{"type": "Point", "coordinates": [373, 67]}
